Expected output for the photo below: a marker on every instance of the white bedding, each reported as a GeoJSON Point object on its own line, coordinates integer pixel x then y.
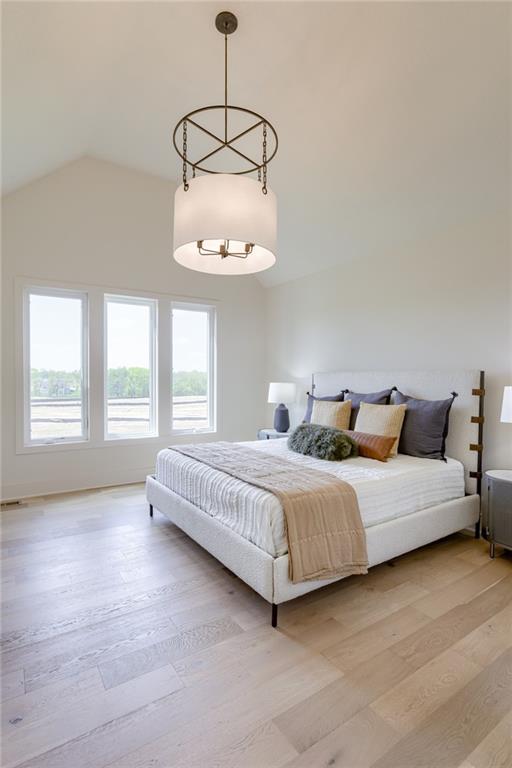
{"type": "Point", "coordinates": [399, 487]}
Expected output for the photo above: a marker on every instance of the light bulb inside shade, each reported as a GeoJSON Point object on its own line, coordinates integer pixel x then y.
{"type": "Point", "coordinates": [220, 208]}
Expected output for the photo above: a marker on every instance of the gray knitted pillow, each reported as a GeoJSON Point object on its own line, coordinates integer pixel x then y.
{"type": "Point", "coordinates": [322, 442]}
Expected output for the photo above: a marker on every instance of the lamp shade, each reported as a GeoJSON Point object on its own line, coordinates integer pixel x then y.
{"type": "Point", "coordinates": [281, 392]}
{"type": "Point", "coordinates": [506, 406]}
{"type": "Point", "coordinates": [221, 207]}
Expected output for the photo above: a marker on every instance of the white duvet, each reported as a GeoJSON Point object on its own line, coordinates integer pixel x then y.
{"type": "Point", "coordinates": [401, 486]}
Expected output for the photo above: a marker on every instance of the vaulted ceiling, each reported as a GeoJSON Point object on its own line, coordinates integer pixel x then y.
{"type": "Point", "coordinates": [393, 118]}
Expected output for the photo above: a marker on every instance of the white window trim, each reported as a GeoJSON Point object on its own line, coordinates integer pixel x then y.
{"type": "Point", "coordinates": [211, 311]}
{"type": "Point", "coordinates": [153, 364]}
{"type": "Point", "coordinates": [28, 290]}
{"type": "Point", "coordinates": [96, 351]}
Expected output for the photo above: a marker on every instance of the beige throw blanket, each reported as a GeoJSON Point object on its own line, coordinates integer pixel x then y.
{"type": "Point", "coordinates": [325, 534]}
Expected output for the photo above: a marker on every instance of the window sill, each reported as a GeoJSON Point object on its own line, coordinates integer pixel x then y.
{"type": "Point", "coordinates": [122, 442]}
{"type": "Point", "coordinates": [193, 432]}
{"type": "Point", "coordinates": [129, 439]}
{"type": "Point", "coordinates": [57, 445]}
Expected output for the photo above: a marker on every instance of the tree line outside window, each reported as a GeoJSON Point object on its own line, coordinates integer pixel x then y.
{"type": "Point", "coordinates": [122, 382]}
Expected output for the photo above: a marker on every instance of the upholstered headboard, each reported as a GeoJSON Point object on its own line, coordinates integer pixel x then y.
{"type": "Point", "coordinates": [464, 441]}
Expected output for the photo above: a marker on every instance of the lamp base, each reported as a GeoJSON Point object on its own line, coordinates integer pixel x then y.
{"type": "Point", "coordinates": [281, 418]}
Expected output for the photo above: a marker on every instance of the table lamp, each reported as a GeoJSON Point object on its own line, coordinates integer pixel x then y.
{"type": "Point", "coordinates": [506, 406]}
{"type": "Point", "coordinates": [281, 392]}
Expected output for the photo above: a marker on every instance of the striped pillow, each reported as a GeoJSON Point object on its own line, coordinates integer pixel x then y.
{"type": "Point", "coordinates": [381, 420]}
{"type": "Point", "coordinates": [372, 446]}
{"type": "Point", "coordinates": [329, 414]}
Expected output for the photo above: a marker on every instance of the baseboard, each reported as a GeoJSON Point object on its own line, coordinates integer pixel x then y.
{"type": "Point", "coordinates": [22, 491]}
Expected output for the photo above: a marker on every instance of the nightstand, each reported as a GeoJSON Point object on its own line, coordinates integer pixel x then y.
{"type": "Point", "coordinates": [499, 500]}
{"type": "Point", "coordinates": [271, 434]}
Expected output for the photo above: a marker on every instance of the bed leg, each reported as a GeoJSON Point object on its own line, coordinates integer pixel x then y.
{"type": "Point", "coordinates": [274, 615]}
{"type": "Point", "coordinates": [151, 510]}
{"type": "Point", "coordinates": [477, 530]}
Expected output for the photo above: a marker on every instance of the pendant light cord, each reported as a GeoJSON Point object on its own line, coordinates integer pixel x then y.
{"type": "Point", "coordinates": [225, 87]}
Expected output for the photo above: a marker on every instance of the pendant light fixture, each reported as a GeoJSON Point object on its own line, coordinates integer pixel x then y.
{"type": "Point", "coordinates": [225, 223]}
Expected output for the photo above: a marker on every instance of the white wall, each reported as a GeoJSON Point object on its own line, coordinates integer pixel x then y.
{"type": "Point", "coordinates": [437, 303]}
{"type": "Point", "coordinates": [97, 223]}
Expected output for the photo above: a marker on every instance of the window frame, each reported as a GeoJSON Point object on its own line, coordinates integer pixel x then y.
{"type": "Point", "coordinates": [211, 311]}
{"type": "Point", "coordinates": [68, 293]}
{"type": "Point", "coordinates": [152, 303]}
{"type": "Point", "coordinates": [94, 337]}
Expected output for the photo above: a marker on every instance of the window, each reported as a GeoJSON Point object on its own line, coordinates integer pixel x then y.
{"type": "Point", "coordinates": [90, 370]}
{"type": "Point", "coordinates": [130, 375]}
{"type": "Point", "coordinates": [193, 364]}
{"type": "Point", "coordinates": [55, 366]}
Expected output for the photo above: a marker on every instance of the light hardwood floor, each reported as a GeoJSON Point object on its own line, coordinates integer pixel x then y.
{"type": "Point", "coordinates": [125, 645]}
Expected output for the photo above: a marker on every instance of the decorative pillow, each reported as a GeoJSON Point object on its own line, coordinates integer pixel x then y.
{"type": "Point", "coordinates": [372, 446]}
{"type": "Point", "coordinates": [322, 442]}
{"type": "Point", "coordinates": [378, 398]}
{"type": "Point", "coordinates": [311, 399]}
{"type": "Point", "coordinates": [381, 420]}
{"type": "Point", "coordinates": [425, 426]}
{"type": "Point", "coordinates": [331, 414]}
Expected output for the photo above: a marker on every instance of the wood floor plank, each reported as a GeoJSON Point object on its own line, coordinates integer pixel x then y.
{"type": "Point", "coordinates": [355, 744]}
{"type": "Point", "coordinates": [462, 590]}
{"type": "Point", "coordinates": [188, 724]}
{"type": "Point", "coordinates": [455, 729]}
{"type": "Point", "coordinates": [57, 541]}
{"type": "Point", "coordinates": [80, 648]}
{"type": "Point", "coordinates": [12, 684]}
{"type": "Point", "coordinates": [382, 634]}
{"type": "Point", "coordinates": [379, 674]}
{"type": "Point", "coordinates": [32, 707]}
{"type": "Point", "coordinates": [434, 574]}
{"type": "Point", "coordinates": [60, 605]}
{"type": "Point", "coordinates": [411, 701]}
{"type": "Point", "coordinates": [489, 640]}
{"type": "Point", "coordinates": [164, 652]}
{"type": "Point", "coordinates": [125, 605]}
{"type": "Point", "coordinates": [355, 608]}
{"type": "Point", "coordinates": [428, 642]}
{"type": "Point", "coordinates": [265, 747]}
{"type": "Point", "coordinates": [77, 712]}
{"type": "Point", "coordinates": [375, 606]}
{"type": "Point", "coordinates": [236, 716]}
{"type": "Point", "coordinates": [47, 662]}
{"type": "Point", "coordinates": [315, 717]}
{"type": "Point", "coordinates": [257, 649]}
{"type": "Point", "coordinates": [478, 555]}
{"type": "Point", "coordinates": [21, 593]}
{"type": "Point", "coordinates": [323, 634]}
{"type": "Point", "coordinates": [495, 751]}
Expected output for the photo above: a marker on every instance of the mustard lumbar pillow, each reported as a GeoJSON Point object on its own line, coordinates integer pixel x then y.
{"type": "Point", "coordinates": [329, 414]}
{"type": "Point", "coordinates": [381, 420]}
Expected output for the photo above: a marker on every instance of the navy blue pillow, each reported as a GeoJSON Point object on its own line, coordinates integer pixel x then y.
{"type": "Point", "coordinates": [425, 426]}
{"type": "Point", "coordinates": [311, 399]}
{"type": "Point", "coordinates": [377, 398]}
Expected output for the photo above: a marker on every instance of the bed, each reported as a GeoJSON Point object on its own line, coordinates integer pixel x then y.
{"type": "Point", "coordinates": [405, 503]}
